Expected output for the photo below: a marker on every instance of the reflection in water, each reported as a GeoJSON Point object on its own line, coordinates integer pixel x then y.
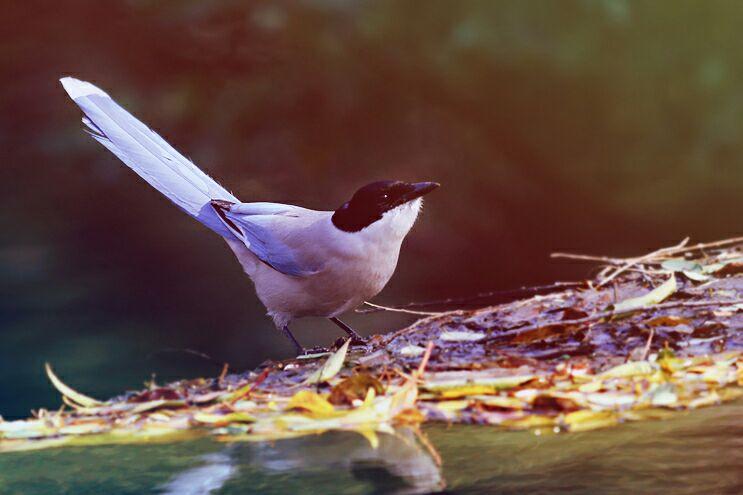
{"type": "Point", "coordinates": [692, 452]}
{"type": "Point", "coordinates": [203, 479]}
{"type": "Point", "coordinates": [400, 464]}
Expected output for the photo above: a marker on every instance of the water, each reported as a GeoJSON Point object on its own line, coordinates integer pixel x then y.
{"type": "Point", "coordinates": [695, 452]}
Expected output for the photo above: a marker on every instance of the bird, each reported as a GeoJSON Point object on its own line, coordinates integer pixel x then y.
{"type": "Point", "coordinates": [302, 262]}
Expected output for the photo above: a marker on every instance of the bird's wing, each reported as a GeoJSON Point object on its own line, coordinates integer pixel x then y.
{"type": "Point", "coordinates": [149, 155]}
{"type": "Point", "coordinates": [268, 230]}
{"type": "Point", "coordinates": [265, 208]}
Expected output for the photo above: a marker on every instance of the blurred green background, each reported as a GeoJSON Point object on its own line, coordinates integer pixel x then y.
{"type": "Point", "coordinates": [594, 126]}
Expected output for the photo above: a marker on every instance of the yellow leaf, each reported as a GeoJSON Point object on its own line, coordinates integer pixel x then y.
{"type": "Point", "coordinates": [66, 391]}
{"type": "Point", "coordinates": [590, 420]}
{"type": "Point", "coordinates": [655, 296]}
{"type": "Point", "coordinates": [404, 398]}
{"type": "Point", "coordinates": [721, 375]}
{"type": "Point", "coordinates": [331, 367]}
{"type": "Point", "coordinates": [705, 400]}
{"type": "Point", "coordinates": [451, 405]}
{"type": "Point", "coordinates": [452, 389]}
{"type": "Point", "coordinates": [634, 368]}
{"type": "Point", "coordinates": [371, 437]}
{"type": "Point", "coordinates": [410, 416]}
{"type": "Point", "coordinates": [223, 419]}
{"type": "Point", "coordinates": [530, 421]}
{"type": "Point", "coordinates": [238, 394]}
{"type": "Point", "coordinates": [590, 387]}
{"type": "Point", "coordinates": [313, 403]}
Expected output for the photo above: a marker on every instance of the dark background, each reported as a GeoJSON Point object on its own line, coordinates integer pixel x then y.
{"type": "Point", "coordinates": [608, 127]}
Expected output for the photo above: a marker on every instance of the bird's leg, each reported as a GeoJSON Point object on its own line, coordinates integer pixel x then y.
{"type": "Point", "coordinates": [355, 337]}
{"type": "Point", "coordinates": [289, 335]}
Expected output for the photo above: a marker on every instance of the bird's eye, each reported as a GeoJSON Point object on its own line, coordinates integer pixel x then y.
{"type": "Point", "coordinates": [385, 196]}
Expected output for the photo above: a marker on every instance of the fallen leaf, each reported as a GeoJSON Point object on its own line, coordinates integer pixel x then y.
{"type": "Point", "coordinates": [663, 395]}
{"type": "Point", "coordinates": [223, 419]}
{"type": "Point", "coordinates": [331, 367]}
{"type": "Point", "coordinates": [311, 402]}
{"type": "Point", "coordinates": [667, 321]}
{"type": "Point", "coordinates": [453, 388]}
{"type": "Point", "coordinates": [354, 388]}
{"type": "Point", "coordinates": [412, 351]}
{"type": "Point", "coordinates": [680, 265]}
{"type": "Point", "coordinates": [461, 336]}
{"type": "Point", "coordinates": [68, 392]}
{"type": "Point", "coordinates": [696, 276]}
{"type": "Point", "coordinates": [590, 420]}
{"type": "Point", "coordinates": [159, 393]}
{"type": "Point", "coordinates": [634, 368]}
{"type": "Point", "coordinates": [655, 296]}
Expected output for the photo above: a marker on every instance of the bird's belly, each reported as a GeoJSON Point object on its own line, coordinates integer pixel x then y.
{"type": "Point", "coordinates": [339, 287]}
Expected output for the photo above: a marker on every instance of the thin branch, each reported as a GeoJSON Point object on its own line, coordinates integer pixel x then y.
{"type": "Point", "coordinates": [679, 249]}
{"type": "Point", "coordinates": [397, 310]}
{"type": "Point", "coordinates": [588, 257]}
{"type": "Point", "coordinates": [472, 299]}
{"type": "Point", "coordinates": [703, 246]}
{"type": "Point", "coordinates": [646, 350]}
{"type": "Point", "coordinates": [610, 314]}
{"type": "Point", "coordinates": [631, 262]}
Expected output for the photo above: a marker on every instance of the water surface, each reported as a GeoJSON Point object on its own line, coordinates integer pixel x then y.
{"type": "Point", "coordinates": [695, 452]}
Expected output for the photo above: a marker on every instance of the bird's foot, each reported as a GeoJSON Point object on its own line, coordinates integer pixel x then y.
{"type": "Point", "coordinates": [355, 337]}
{"type": "Point", "coordinates": [355, 341]}
{"type": "Point", "coordinates": [359, 340]}
{"type": "Point", "coordinates": [309, 351]}
{"type": "Point", "coordinates": [289, 335]}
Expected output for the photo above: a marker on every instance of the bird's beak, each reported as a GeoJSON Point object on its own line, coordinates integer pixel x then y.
{"type": "Point", "coordinates": [419, 189]}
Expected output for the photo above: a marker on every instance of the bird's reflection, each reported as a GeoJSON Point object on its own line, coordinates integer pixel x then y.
{"type": "Point", "coordinates": [401, 463]}
{"type": "Point", "coordinates": [203, 479]}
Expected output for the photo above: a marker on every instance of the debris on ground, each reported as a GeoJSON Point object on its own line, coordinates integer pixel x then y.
{"type": "Point", "coordinates": [649, 336]}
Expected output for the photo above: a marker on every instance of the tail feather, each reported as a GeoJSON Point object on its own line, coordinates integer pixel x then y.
{"type": "Point", "coordinates": [149, 155]}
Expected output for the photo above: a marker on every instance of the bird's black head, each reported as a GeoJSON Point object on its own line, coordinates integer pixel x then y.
{"type": "Point", "coordinates": [370, 202]}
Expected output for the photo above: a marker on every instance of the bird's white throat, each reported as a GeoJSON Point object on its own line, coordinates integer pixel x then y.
{"type": "Point", "coordinates": [398, 221]}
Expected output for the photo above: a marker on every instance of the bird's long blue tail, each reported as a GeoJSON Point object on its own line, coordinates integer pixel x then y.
{"type": "Point", "coordinates": [149, 155]}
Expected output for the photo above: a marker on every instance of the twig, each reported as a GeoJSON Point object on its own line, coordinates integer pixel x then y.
{"type": "Point", "coordinates": [223, 373]}
{"type": "Point", "coordinates": [424, 360]}
{"type": "Point", "coordinates": [398, 310]}
{"type": "Point", "coordinates": [702, 246]}
{"type": "Point", "coordinates": [588, 257]}
{"type": "Point", "coordinates": [610, 314]}
{"type": "Point", "coordinates": [678, 249]}
{"type": "Point", "coordinates": [646, 350]}
{"type": "Point", "coordinates": [631, 262]}
{"type": "Point", "coordinates": [175, 350]}
{"type": "Point", "coordinates": [472, 299]}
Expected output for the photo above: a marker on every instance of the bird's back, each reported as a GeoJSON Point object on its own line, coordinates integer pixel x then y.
{"type": "Point", "coordinates": [347, 268]}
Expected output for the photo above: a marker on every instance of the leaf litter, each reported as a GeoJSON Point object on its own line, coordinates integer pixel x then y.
{"type": "Point", "coordinates": [651, 335]}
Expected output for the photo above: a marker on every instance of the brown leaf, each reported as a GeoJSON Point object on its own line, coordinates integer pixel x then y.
{"type": "Point", "coordinates": [160, 393]}
{"type": "Point", "coordinates": [732, 268]}
{"type": "Point", "coordinates": [668, 321]}
{"type": "Point", "coordinates": [354, 388]}
{"type": "Point", "coordinates": [550, 403]}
